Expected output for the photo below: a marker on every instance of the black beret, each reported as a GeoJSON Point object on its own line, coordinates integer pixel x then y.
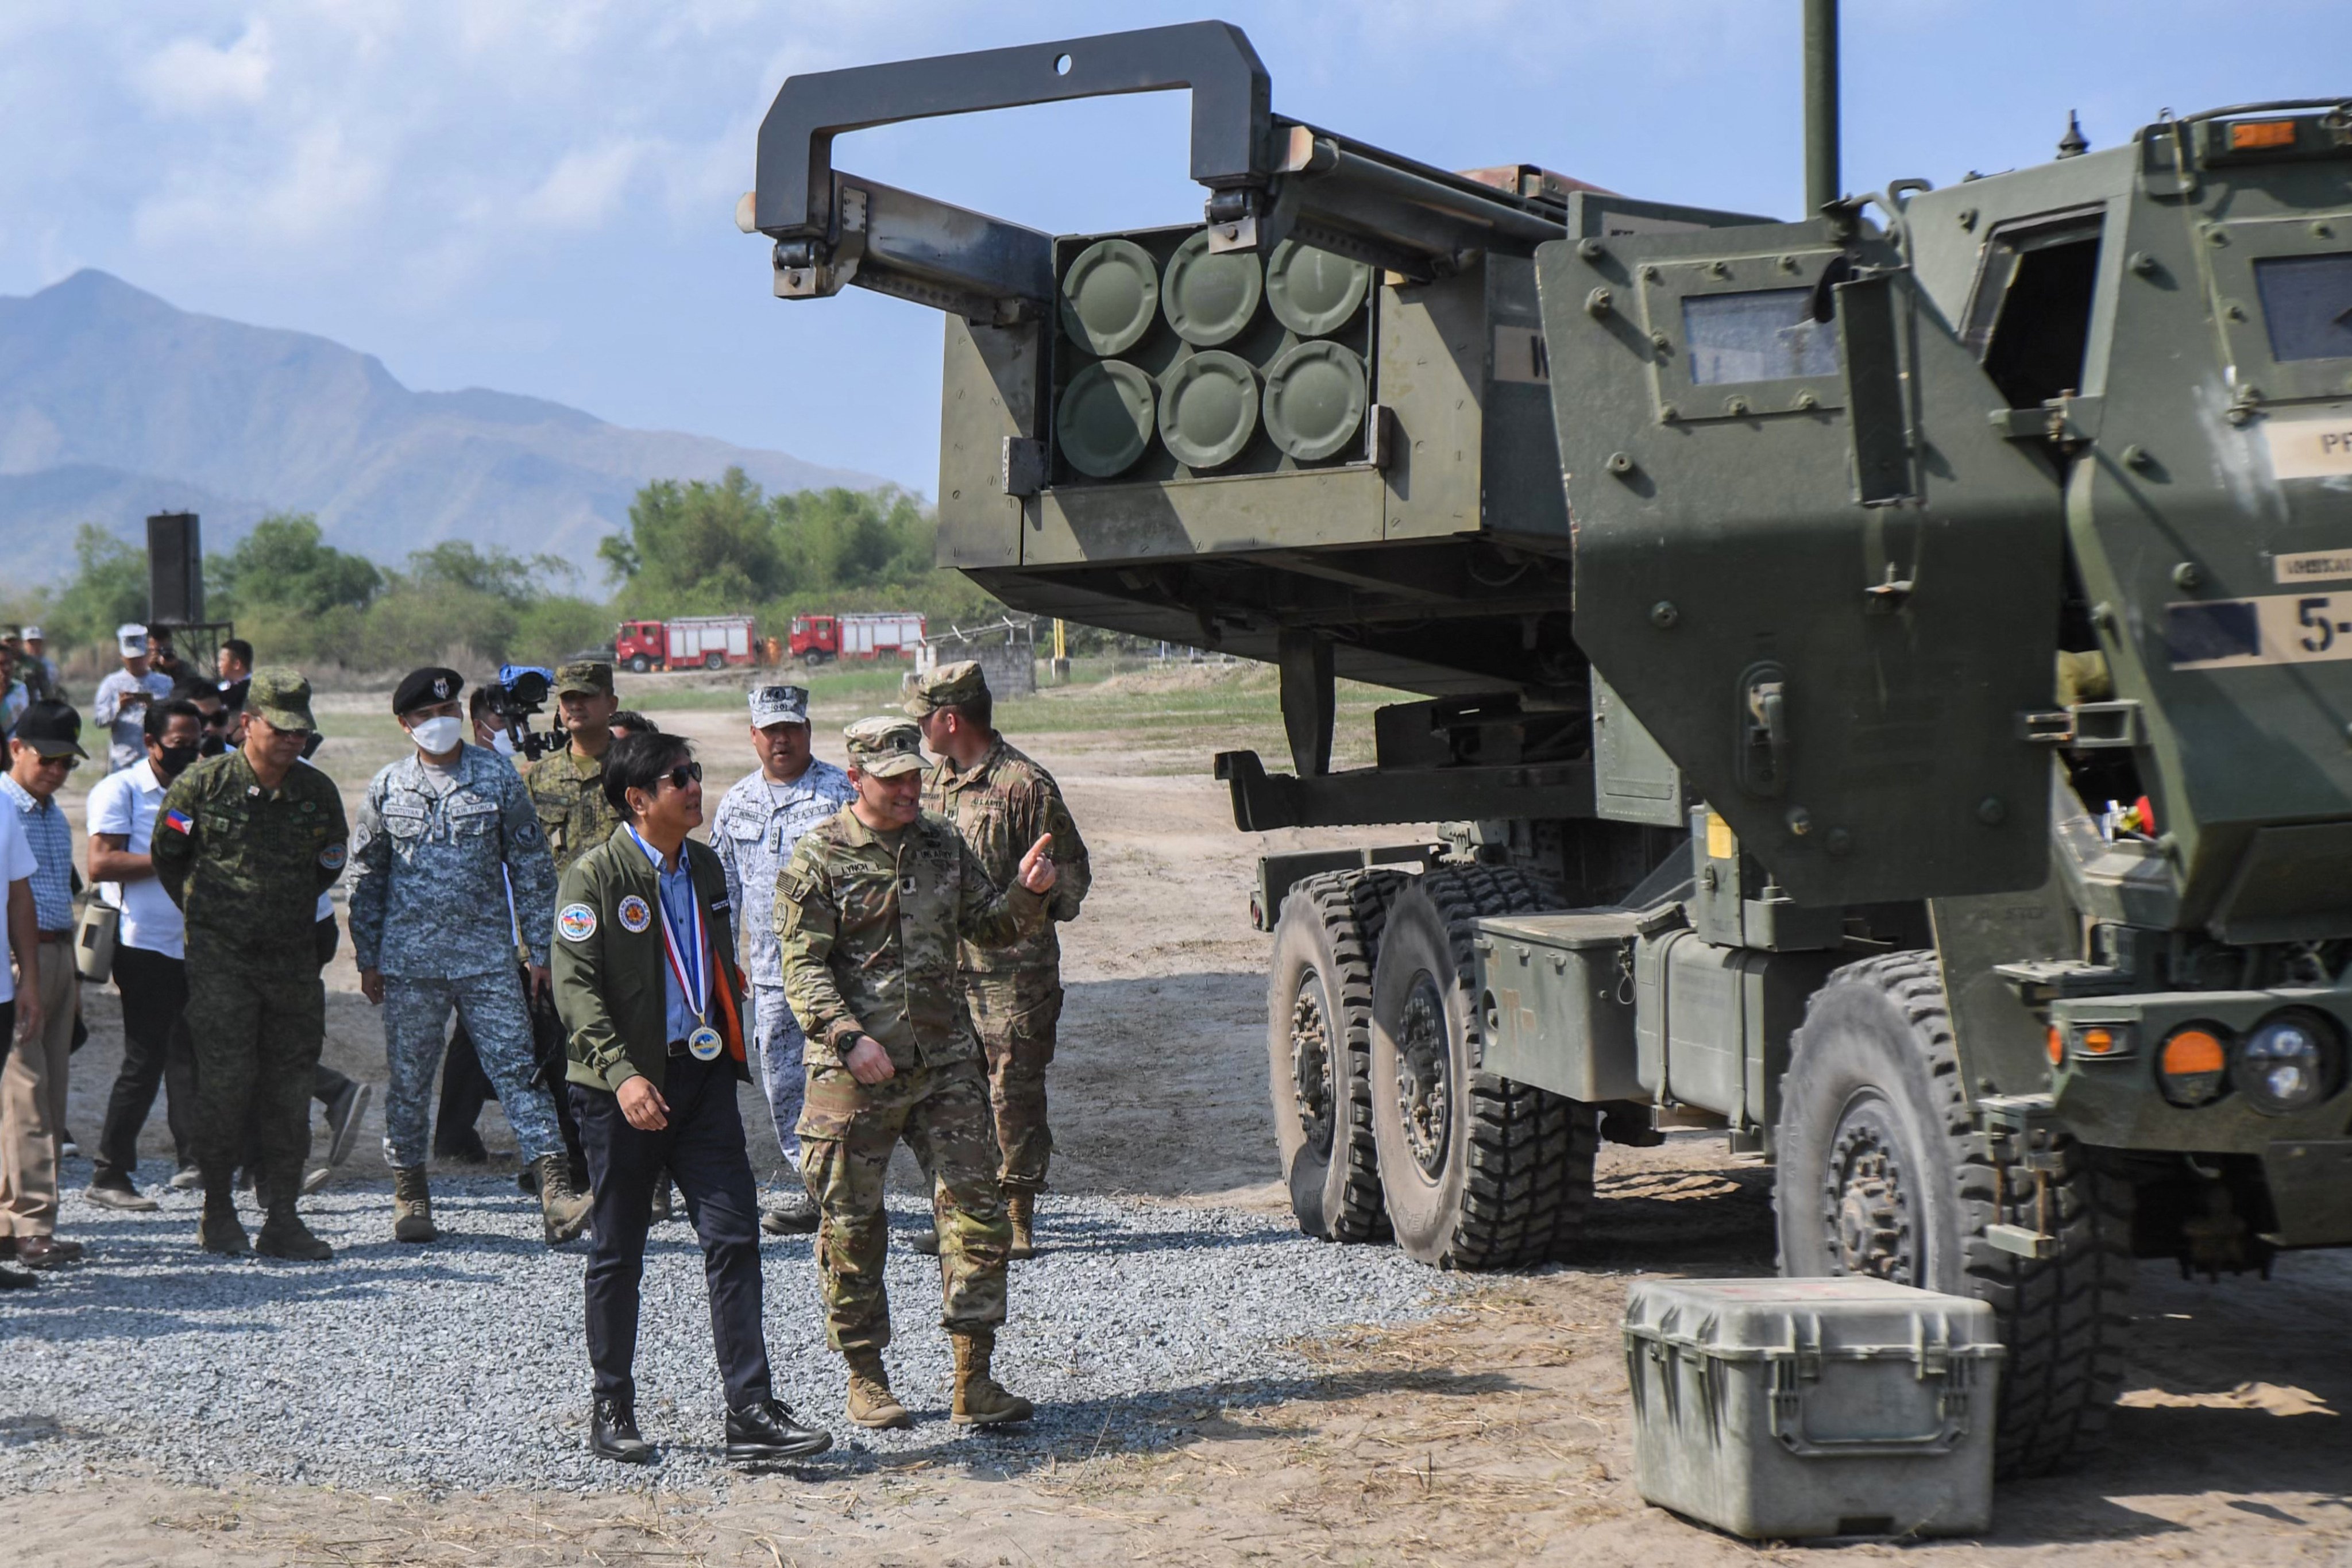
{"type": "Point", "coordinates": [424, 688]}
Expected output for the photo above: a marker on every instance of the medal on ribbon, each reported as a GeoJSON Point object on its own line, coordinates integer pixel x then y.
{"type": "Point", "coordinates": [689, 954]}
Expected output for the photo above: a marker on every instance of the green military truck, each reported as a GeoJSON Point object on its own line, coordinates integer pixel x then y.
{"type": "Point", "coordinates": [1883, 676]}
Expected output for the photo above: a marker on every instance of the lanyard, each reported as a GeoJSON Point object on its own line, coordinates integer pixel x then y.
{"type": "Point", "coordinates": [693, 977]}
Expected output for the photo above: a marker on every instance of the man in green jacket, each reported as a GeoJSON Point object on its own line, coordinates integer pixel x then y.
{"type": "Point", "coordinates": [868, 915]}
{"type": "Point", "coordinates": [652, 1012]}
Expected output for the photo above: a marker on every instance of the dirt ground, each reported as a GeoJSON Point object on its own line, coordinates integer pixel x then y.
{"type": "Point", "coordinates": [1497, 1431]}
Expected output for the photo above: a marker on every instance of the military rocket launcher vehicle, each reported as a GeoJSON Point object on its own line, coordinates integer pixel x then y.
{"type": "Point", "coordinates": [1886, 675]}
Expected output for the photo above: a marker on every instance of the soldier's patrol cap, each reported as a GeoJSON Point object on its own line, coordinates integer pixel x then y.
{"type": "Point", "coordinates": [884, 746]}
{"type": "Point", "coordinates": [778, 705]}
{"type": "Point", "coordinates": [947, 685]}
{"type": "Point", "coordinates": [584, 678]}
{"type": "Point", "coordinates": [424, 688]}
{"type": "Point", "coordinates": [51, 729]}
{"type": "Point", "coordinates": [282, 698]}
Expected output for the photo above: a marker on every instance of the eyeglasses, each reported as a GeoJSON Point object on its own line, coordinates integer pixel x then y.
{"type": "Point", "coordinates": [684, 775]}
{"type": "Point", "coordinates": [68, 762]}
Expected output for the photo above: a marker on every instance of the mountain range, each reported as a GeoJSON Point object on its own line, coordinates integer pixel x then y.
{"type": "Point", "coordinates": [115, 403]}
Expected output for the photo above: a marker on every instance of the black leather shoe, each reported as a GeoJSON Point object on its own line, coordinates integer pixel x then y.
{"type": "Point", "coordinates": [767, 1431]}
{"type": "Point", "coordinates": [613, 1434]}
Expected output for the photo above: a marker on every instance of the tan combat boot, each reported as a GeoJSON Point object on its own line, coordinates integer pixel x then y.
{"type": "Point", "coordinates": [871, 1403]}
{"type": "Point", "coordinates": [979, 1399]}
{"type": "Point", "coordinates": [412, 1205]}
{"type": "Point", "coordinates": [1021, 1208]}
{"type": "Point", "coordinates": [564, 1212]}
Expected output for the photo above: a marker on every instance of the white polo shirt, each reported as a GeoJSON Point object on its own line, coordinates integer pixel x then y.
{"type": "Point", "coordinates": [127, 803]}
{"type": "Point", "coordinates": [16, 863]}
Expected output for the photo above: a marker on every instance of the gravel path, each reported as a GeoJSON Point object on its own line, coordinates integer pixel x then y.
{"type": "Point", "coordinates": [461, 1366]}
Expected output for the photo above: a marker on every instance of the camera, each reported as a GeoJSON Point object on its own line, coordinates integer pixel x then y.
{"type": "Point", "coordinates": [520, 691]}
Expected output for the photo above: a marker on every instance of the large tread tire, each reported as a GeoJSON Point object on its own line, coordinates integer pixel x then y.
{"type": "Point", "coordinates": [1482, 1173]}
{"type": "Point", "coordinates": [1319, 1049]}
{"type": "Point", "coordinates": [1884, 1171]}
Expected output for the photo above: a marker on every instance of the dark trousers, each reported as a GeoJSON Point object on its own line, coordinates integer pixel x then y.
{"type": "Point", "coordinates": [465, 1088]}
{"type": "Point", "coordinates": [156, 1051]}
{"type": "Point", "coordinates": [703, 1150]}
{"type": "Point", "coordinates": [258, 1035]}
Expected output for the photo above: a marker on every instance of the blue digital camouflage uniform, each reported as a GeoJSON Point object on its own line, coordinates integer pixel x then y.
{"type": "Point", "coordinates": [755, 831]}
{"type": "Point", "coordinates": [431, 861]}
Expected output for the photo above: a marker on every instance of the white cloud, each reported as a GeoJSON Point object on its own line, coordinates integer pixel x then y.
{"type": "Point", "coordinates": [584, 186]}
{"type": "Point", "coordinates": [316, 186]}
{"type": "Point", "coordinates": [188, 76]}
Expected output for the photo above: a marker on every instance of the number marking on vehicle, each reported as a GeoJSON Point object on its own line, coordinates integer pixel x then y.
{"type": "Point", "coordinates": [2275, 628]}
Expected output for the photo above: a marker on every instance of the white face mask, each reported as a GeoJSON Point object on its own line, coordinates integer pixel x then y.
{"type": "Point", "coordinates": [435, 736]}
{"type": "Point", "coordinates": [503, 744]}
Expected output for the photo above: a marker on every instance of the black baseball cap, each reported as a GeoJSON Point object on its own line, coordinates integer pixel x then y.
{"type": "Point", "coordinates": [52, 729]}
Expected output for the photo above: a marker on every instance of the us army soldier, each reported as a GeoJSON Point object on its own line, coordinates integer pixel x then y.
{"type": "Point", "coordinates": [758, 822]}
{"type": "Point", "coordinates": [1001, 803]}
{"type": "Point", "coordinates": [869, 916]}
{"type": "Point", "coordinates": [245, 843]}
{"type": "Point", "coordinates": [443, 837]}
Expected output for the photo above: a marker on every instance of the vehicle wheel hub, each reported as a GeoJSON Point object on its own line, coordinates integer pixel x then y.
{"type": "Point", "coordinates": [1311, 1064]}
{"type": "Point", "coordinates": [1868, 1198]}
{"type": "Point", "coordinates": [1423, 1065]}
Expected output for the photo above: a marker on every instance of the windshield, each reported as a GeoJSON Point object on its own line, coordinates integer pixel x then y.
{"type": "Point", "coordinates": [2308, 304]}
{"type": "Point", "coordinates": [1766, 335]}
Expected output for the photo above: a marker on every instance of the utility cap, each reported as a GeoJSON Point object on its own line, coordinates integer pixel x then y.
{"type": "Point", "coordinates": [948, 685]}
{"type": "Point", "coordinates": [584, 678]}
{"type": "Point", "coordinates": [778, 705]}
{"type": "Point", "coordinates": [281, 697]}
{"type": "Point", "coordinates": [424, 688]}
{"type": "Point", "coordinates": [132, 639]}
{"type": "Point", "coordinates": [33, 633]}
{"type": "Point", "coordinates": [884, 746]}
{"type": "Point", "coordinates": [51, 729]}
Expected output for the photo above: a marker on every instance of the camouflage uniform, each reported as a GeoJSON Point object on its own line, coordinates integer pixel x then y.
{"type": "Point", "coordinates": [247, 865]}
{"type": "Point", "coordinates": [868, 923]}
{"type": "Point", "coordinates": [753, 831]}
{"type": "Point", "coordinates": [567, 789]}
{"type": "Point", "coordinates": [1001, 805]}
{"type": "Point", "coordinates": [428, 908]}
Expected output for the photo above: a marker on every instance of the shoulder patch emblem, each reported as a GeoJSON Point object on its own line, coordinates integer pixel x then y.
{"type": "Point", "coordinates": [179, 822]}
{"type": "Point", "coordinates": [332, 857]}
{"type": "Point", "coordinates": [635, 915]}
{"type": "Point", "coordinates": [576, 922]}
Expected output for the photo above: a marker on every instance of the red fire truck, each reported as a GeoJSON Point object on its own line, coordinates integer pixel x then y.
{"type": "Point", "coordinates": [893, 634]}
{"type": "Point", "coordinates": [689, 642]}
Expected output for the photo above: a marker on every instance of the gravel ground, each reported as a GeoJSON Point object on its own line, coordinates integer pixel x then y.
{"type": "Point", "coordinates": [461, 1366]}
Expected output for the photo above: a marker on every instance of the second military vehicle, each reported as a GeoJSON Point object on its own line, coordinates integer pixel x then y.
{"type": "Point", "coordinates": [1884, 674]}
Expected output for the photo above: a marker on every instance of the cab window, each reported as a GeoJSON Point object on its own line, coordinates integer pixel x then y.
{"type": "Point", "coordinates": [2308, 305]}
{"type": "Point", "coordinates": [2028, 319]}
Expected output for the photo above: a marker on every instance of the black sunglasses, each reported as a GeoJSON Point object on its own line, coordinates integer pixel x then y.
{"type": "Point", "coordinates": [683, 774]}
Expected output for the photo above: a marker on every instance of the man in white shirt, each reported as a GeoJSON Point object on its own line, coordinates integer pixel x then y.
{"type": "Point", "coordinates": [123, 698]}
{"type": "Point", "coordinates": [16, 868]}
{"type": "Point", "coordinates": [150, 959]}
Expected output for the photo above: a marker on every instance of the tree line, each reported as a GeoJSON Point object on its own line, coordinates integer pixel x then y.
{"type": "Point", "coordinates": [693, 547]}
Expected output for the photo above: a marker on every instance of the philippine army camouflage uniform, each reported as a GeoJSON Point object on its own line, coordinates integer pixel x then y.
{"type": "Point", "coordinates": [247, 865]}
{"type": "Point", "coordinates": [1002, 805]}
{"type": "Point", "coordinates": [429, 906]}
{"type": "Point", "coordinates": [869, 924]}
{"type": "Point", "coordinates": [567, 789]}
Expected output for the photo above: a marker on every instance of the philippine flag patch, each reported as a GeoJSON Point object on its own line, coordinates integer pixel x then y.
{"type": "Point", "coordinates": [179, 821]}
{"type": "Point", "coordinates": [576, 922]}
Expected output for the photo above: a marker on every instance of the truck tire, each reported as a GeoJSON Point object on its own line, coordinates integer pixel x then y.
{"type": "Point", "coordinates": [1318, 1049]}
{"type": "Point", "coordinates": [714, 661]}
{"type": "Point", "coordinates": [1476, 1172]}
{"type": "Point", "coordinates": [639, 663]}
{"type": "Point", "coordinates": [1884, 1171]}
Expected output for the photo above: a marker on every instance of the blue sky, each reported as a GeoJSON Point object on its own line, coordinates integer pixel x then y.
{"type": "Point", "coordinates": [537, 197]}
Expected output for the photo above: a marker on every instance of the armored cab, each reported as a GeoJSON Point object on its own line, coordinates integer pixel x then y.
{"type": "Point", "coordinates": [1882, 675]}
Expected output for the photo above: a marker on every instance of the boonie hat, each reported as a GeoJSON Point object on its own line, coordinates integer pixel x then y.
{"type": "Point", "coordinates": [282, 698]}
{"type": "Point", "coordinates": [52, 730]}
{"type": "Point", "coordinates": [132, 639]}
{"type": "Point", "coordinates": [944, 687]}
{"type": "Point", "coordinates": [424, 688]}
{"type": "Point", "coordinates": [778, 705]}
{"type": "Point", "coordinates": [884, 747]}
{"type": "Point", "coordinates": [584, 678]}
